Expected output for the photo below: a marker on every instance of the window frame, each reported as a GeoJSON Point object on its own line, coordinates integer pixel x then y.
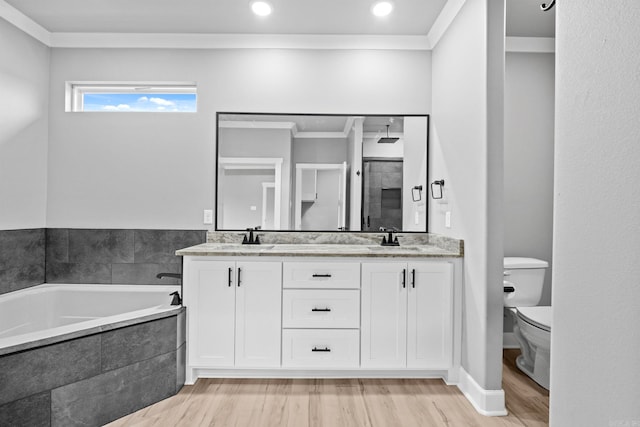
{"type": "Point", "coordinates": [75, 91]}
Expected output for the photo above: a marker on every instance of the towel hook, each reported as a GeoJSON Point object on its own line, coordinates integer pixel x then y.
{"type": "Point", "coordinates": [548, 6]}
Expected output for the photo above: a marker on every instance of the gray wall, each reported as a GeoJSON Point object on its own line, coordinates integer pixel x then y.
{"type": "Point", "coordinates": [467, 152]}
{"type": "Point", "coordinates": [22, 259]}
{"type": "Point", "coordinates": [319, 150]}
{"type": "Point", "coordinates": [528, 158]}
{"type": "Point", "coordinates": [24, 85]}
{"type": "Point", "coordinates": [242, 142]}
{"type": "Point", "coordinates": [165, 163]}
{"type": "Point", "coordinates": [116, 255]}
{"type": "Point", "coordinates": [596, 293]}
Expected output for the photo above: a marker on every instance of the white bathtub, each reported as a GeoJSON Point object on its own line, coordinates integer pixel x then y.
{"type": "Point", "coordinates": [49, 313]}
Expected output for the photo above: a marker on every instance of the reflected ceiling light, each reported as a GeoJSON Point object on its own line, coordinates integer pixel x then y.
{"type": "Point", "coordinates": [382, 8]}
{"type": "Point", "coordinates": [261, 8]}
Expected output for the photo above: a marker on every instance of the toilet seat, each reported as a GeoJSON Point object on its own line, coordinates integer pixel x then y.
{"type": "Point", "coordinates": [537, 316]}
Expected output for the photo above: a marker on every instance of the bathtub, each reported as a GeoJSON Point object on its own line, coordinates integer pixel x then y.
{"type": "Point", "coordinates": [88, 354]}
{"type": "Point", "coordinates": [50, 313]}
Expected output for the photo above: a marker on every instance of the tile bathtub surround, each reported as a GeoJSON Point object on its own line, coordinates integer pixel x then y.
{"type": "Point", "coordinates": [94, 379]}
{"type": "Point", "coordinates": [22, 259]}
{"type": "Point", "coordinates": [115, 255]}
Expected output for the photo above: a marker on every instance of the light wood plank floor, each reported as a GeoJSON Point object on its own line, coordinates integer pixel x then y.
{"type": "Point", "coordinates": [336, 403]}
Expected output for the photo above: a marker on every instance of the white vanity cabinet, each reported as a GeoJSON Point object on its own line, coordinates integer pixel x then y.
{"type": "Point", "coordinates": [407, 316]}
{"type": "Point", "coordinates": [233, 312]}
{"type": "Point", "coordinates": [321, 314]}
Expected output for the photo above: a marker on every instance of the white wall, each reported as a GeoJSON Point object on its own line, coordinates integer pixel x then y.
{"type": "Point", "coordinates": [595, 340]}
{"type": "Point", "coordinates": [157, 171]}
{"type": "Point", "coordinates": [528, 158]}
{"type": "Point", "coordinates": [24, 82]}
{"type": "Point", "coordinates": [414, 173]}
{"type": "Point", "coordinates": [467, 151]}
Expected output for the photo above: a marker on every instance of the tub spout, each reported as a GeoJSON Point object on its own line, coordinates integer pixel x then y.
{"type": "Point", "coordinates": [174, 275]}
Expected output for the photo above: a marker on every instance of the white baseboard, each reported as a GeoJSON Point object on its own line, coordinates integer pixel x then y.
{"type": "Point", "coordinates": [509, 340]}
{"type": "Point", "coordinates": [487, 402]}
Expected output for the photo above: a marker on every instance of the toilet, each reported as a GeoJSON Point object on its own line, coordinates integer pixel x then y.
{"type": "Point", "coordinates": [523, 281]}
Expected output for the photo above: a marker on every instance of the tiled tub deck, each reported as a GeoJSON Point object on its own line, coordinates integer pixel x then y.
{"type": "Point", "coordinates": [95, 374]}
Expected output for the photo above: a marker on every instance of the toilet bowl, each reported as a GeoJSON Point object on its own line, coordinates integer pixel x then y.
{"type": "Point", "coordinates": [532, 330]}
{"type": "Point", "coordinates": [524, 278]}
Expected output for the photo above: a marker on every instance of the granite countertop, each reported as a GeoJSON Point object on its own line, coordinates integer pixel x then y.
{"type": "Point", "coordinates": [421, 245]}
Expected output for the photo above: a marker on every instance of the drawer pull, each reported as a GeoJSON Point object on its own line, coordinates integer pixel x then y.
{"type": "Point", "coordinates": [413, 277]}
{"type": "Point", "coordinates": [326, 349]}
{"type": "Point", "coordinates": [230, 269]}
{"type": "Point", "coordinates": [321, 309]}
{"type": "Point", "coordinates": [321, 275]}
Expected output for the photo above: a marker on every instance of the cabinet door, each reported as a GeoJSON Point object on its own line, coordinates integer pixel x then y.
{"type": "Point", "coordinates": [429, 315]}
{"type": "Point", "coordinates": [384, 315]}
{"type": "Point", "coordinates": [210, 301]}
{"type": "Point", "coordinates": [258, 314]}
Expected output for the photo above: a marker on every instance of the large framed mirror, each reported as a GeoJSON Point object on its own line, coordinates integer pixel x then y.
{"type": "Point", "coordinates": [319, 172]}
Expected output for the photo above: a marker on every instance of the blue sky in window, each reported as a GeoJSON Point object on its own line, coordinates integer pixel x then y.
{"type": "Point", "coordinates": [136, 102]}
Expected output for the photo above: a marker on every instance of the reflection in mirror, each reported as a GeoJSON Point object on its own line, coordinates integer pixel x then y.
{"type": "Point", "coordinates": [321, 172]}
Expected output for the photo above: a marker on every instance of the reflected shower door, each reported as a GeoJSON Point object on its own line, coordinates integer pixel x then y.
{"type": "Point", "coordinates": [382, 194]}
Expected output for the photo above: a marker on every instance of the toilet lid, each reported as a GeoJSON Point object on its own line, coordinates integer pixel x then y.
{"type": "Point", "coordinates": [520, 262]}
{"type": "Point", "coordinates": [539, 316]}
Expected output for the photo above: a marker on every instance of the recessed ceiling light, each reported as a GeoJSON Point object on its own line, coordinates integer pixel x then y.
{"type": "Point", "coordinates": [382, 8]}
{"type": "Point", "coordinates": [261, 8]}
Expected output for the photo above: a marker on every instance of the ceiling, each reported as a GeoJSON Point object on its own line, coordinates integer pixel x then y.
{"type": "Point", "coordinates": [299, 17]}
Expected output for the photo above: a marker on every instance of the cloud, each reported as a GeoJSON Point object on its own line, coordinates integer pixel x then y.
{"type": "Point", "coordinates": [143, 99]}
{"type": "Point", "coordinates": [160, 108]}
{"type": "Point", "coordinates": [162, 101]}
{"type": "Point", "coordinates": [119, 107]}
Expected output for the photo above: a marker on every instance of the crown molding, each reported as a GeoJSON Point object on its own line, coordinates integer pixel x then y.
{"type": "Point", "coordinates": [530, 44]}
{"type": "Point", "coordinates": [24, 23]}
{"type": "Point", "coordinates": [290, 126]}
{"type": "Point", "coordinates": [443, 21]}
{"type": "Point", "coordinates": [238, 41]}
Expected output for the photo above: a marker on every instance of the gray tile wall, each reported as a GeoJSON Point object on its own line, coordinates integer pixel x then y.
{"type": "Point", "coordinates": [22, 259]}
{"type": "Point", "coordinates": [95, 379]}
{"type": "Point", "coordinates": [115, 256]}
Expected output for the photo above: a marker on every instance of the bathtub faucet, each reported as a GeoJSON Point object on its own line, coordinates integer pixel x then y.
{"type": "Point", "coordinates": [174, 275]}
{"type": "Point", "coordinates": [176, 300]}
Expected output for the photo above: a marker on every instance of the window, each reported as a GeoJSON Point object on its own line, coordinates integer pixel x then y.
{"type": "Point", "coordinates": [131, 97]}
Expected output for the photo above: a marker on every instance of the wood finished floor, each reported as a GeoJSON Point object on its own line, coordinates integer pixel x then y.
{"type": "Point", "coordinates": [342, 402]}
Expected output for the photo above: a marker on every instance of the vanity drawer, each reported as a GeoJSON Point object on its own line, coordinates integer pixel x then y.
{"type": "Point", "coordinates": [321, 308]}
{"type": "Point", "coordinates": [320, 275]}
{"type": "Point", "coordinates": [310, 348]}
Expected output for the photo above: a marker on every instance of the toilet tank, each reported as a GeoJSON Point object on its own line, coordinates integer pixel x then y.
{"type": "Point", "coordinates": [526, 275]}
